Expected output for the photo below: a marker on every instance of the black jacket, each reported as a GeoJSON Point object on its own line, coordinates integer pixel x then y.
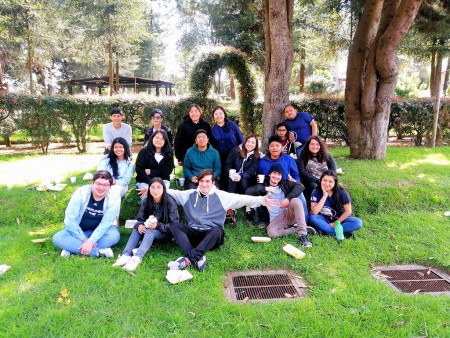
{"type": "Point", "coordinates": [290, 189]}
{"type": "Point", "coordinates": [185, 137]}
{"type": "Point", "coordinates": [149, 133]}
{"type": "Point", "coordinates": [146, 160]}
{"type": "Point", "coordinates": [235, 161]}
{"type": "Point", "coordinates": [144, 213]}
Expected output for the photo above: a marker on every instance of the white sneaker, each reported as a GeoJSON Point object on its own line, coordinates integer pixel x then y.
{"type": "Point", "coordinates": [106, 252]}
{"type": "Point", "coordinates": [65, 253]}
{"type": "Point", "coordinates": [132, 265]}
{"type": "Point", "coordinates": [122, 260]}
{"type": "Point", "coordinates": [134, 251]}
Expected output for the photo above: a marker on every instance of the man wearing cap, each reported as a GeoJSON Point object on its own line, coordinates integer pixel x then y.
{"type": "Point", "coordinates": [156, 119]}
{"type": "Point", "coordinates": [287, 215]}
{"type": "Point", "coordinates": [115, 129]}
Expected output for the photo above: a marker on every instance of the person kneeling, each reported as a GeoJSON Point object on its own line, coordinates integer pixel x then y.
{"type": "Point", "coordinates": [89, 222]}
{"type": "Point", "coordinates": [287, 216]}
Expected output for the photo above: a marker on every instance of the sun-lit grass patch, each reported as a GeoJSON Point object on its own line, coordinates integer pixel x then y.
{"type": "Point", "coordinates": [404, 223]}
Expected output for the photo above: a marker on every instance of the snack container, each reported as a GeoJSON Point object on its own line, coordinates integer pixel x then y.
{"type": "Point", "coordinates": [293, 251]}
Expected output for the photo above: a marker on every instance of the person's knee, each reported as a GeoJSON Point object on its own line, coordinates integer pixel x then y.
{"type": "Point", "coordinates": [271, 232]}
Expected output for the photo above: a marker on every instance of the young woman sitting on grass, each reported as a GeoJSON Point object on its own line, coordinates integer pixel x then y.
{"type": "Point", "coordinates": [332, 203]}
{"type": "Point", "coordinates": [118, 163]}
{"type": "Point", "coordinates": [156, 215]}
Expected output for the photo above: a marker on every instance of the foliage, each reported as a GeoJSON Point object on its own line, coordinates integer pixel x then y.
{"type": "Point", "coordinates": [237, 64]}
{"type": "Point", "coordinates": [403, 224]}
{"type": "Point", "coordinates": [319, 83]}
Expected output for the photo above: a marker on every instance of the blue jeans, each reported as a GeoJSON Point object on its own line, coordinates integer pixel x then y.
{"type": "Point", "coordinates": [320, 222]}
{"type": "Point", "coordinates": [146, 241]}
{"type": "Point", "coordinates": [64, 240]}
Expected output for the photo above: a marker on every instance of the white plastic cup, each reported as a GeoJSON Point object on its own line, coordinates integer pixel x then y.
{"type": "Point", "coordinates": [167, 184]}
{"type": "Point", "coordinates": [73, 179]}
{"type": "Point", "coordinates": [232, 172]}
{"type": "Point", "coordinates": [181, 181]}
{"type": "Point", "coordinates": [172, 177]}
{"type": "Point", "coordinates": [261, 178]}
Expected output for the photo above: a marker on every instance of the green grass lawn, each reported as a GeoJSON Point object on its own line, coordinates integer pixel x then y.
{"type": "Point", "coordinates": [401, 200]}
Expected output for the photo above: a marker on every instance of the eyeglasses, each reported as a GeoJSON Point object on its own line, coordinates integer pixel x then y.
{"type": "Point", "coordinates": [102, 185]}
{"type": "Point", "coordinates": [156, 117]}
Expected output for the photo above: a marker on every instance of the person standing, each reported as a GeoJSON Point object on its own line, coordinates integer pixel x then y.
{"type": "Point", "coordinates": [303, 124]}
{"type": "Point", "coordinates": [185, 136]}
{"type": "Point", "coordinates": [156, 119]}
{"type": "Point", "coordinates": [205, 210]}
{"type": "Point", "coordinates": [89, 222]}
{"type": "Point", "coordinates": [225, 136]}
{"type": "Point", "coordinates": [115, 129]}
{"type": "Point", "coordinates": [287, 216]}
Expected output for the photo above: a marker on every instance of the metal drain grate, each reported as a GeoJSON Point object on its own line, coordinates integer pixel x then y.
{"type": "Point", "coordinates": [414, 279]}
{"type": "Point", "coordinates": [263, 286]}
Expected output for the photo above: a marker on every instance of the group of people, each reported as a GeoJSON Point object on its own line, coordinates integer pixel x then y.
{"type": "Point", "coordinates": [293, 188]}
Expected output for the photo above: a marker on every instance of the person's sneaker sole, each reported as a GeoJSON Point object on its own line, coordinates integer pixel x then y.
{"type": "Point", "coordinates": [201, 264]}
{"type": "Point", "coordinates": [65, 253]}
{"type": "Point", "coordinates": [175, 265]}
{"type": "Point", "coordinates": [311, 231]}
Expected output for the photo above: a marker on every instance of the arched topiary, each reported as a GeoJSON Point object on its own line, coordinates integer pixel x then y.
{"type": "Point", "coordinates": [236, 62]}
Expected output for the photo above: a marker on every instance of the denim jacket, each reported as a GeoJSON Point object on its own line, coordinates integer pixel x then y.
{"type": "Point", "coordinates": [76, 207]}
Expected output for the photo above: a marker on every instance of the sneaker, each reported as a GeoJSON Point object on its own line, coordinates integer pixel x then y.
{"type": "Point", "coordinates": [65, 253]}
{"type": "Point", "coordinates": [262, 225]}
{"type": "Point", "coordinates": [250, 215]}
{"type": "Point", "coordinates": [230, 217]}
{"type": "Point", "coordinates": [134, 251]}
{"type": "Point", "coordinates": [311, 231]}
{"type": "Point", "coordinates": [180, 264]}
{"type": "Point", "coordinates": [201, 264]}
{"type": "Point", "coordinates": [305, 241]}
{"type": "Point", "coordinates": [122, 260]}
{"type": "Point", "coordinates": [132, 265]}
{"type": "Point", "coordinates": [106, 252]}
{"type": "Point", "coordinates": [348, 235]}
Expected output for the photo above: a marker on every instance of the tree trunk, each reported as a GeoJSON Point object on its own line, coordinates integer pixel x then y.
{"type": "Point", "coordinates": [446, 76]}
{"type": "Point", "coordinates": [116, 86]}
{"type": "Point", "coordinates": [232, 89]}
{"type": "Point", "coordinates": [302, 70]}
{"type": "Point", "coordinates": [372, 72]}
{"type": "Point", "coordinates": [279, 44]}
{"type": "Point", "coordinates": [110, 69]}
{"type": "Point", "coordinates": [30, 64]}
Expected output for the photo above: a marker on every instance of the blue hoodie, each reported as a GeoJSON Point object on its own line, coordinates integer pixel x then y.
{"type": "Point", "coordinates": [196, 160]}
{"type": "Point", "coordinates": [286, 161]}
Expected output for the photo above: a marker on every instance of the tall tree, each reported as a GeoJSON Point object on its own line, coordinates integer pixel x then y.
{"type": "Point", "coordinates": [278, 44]}
{"type": "Point", "coordinates": [372, 73]}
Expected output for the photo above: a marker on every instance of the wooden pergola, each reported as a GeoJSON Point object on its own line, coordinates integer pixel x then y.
{"type": "Point", "coordinates": [136, 83]}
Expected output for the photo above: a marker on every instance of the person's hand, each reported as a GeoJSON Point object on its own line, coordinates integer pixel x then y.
{"type": "Point", "coordinates": [324, 192]}
{"type": "Point", "coordinates": [86, 247]}
{"type": "Point", "coordinates": [152, 225]}
{"type": "Point", "coordinates": [237, 178]}
{"type": "Point", "coordinates": [194, 179]}
{"type": "Point", "coordinates": [142, 229]}
{"type": "Point", "coordinates": [270, 189]}
{"type": "Point", "coordinates": [290, 179]}
{"type": "Point", "coordinates": [284, 203]}
{"type": "Point", "coordinates": [147, 171]}
{"type": "Point", "coordinates": [142, 192]}
{"type": "Point", "coordinates": [333, 224]}
{"type": "Point", "coordinates": [180, 163]}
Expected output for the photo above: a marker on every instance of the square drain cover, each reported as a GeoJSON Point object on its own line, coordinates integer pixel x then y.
{"type": "Point", "coordinates": [414, 279]}
{"type": "Point", "coordinates": [263, 286]}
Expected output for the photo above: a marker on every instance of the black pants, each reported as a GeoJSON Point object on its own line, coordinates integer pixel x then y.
{"type": "Point", "coordinates": [195, 243]}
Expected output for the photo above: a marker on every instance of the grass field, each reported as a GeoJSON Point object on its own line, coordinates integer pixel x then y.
{"type": "Point", "coordinates": [401, 200]}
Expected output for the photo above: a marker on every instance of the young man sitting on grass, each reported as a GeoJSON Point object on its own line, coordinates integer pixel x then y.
{"type": "Point", "coordinates": [89, 223]}
{"type": "Point", "coordinates": [205, 209]}
{"type": "Point", "coordinates": [287, 215]}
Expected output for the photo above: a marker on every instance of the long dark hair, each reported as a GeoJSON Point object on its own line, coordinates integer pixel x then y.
{"type": "Point", "coordinates": [322, 155]}
{"type": "Point", "coordinates": [226, 126]}
{"type": "Point", "coordinates": [256, 154]}
{"type": "Point", "coordinates": [113, 157]}
{"type": "Point", "coordinates": [166, 149]}
{"type": "Point", "coordinates": [164, 204]}
{"type": "Point", "coordinates": [336, 189]}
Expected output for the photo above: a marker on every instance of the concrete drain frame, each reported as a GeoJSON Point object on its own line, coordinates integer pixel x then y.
{"type": "Point", "coordinates": [414, 279]}
{"type": "Point", "coordinates": [264, 286]}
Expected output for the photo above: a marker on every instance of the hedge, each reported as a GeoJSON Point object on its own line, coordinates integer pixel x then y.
{"type": "Point", "coordinates": [69, 118]}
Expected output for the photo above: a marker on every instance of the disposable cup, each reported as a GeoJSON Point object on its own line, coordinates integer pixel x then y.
{"type": "Point", "coordinates": [73, 179]}
{"type": "Point", "coordinates": [172, 177]}
{"type": "Point", "coordinates": [232, 172]}
{"type": "Point", "coordinates": [261, 178]}
{"type": "Point", "coordinates": [181, 181]}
